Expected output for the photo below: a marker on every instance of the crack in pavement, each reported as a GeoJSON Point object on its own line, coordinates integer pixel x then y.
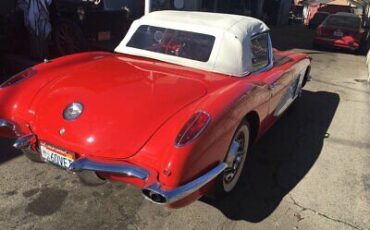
{"type": "Point", "coordinates": [323, 215]}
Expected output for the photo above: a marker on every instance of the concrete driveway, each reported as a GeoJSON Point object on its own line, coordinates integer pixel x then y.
{"type": "Point", "coordinates": [311, 171]}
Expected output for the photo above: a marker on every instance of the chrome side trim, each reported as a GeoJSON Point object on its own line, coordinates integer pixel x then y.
{"type": "Point", "coordinates": [160, 196]}
{"type": "Point", "coordinates": [25, 141]}
{"type": "Point", "coordinates": [122, 168]}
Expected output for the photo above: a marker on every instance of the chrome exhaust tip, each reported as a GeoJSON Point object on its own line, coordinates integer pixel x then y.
{"type": "Point", "coordinates": [25, 142]}
{"type": "Point", "coordinates": [158, 195]}
{"type": "Point", "coordinates": [154, 197]}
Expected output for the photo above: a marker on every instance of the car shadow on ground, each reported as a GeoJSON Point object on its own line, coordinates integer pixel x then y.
{"type": "Point", "coordinates": [7, 152]}
{"type": "Point", "coordinates": [281, 158]}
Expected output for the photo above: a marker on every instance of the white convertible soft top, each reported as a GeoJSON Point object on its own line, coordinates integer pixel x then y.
{"type": "Point", "coordinates": [231, 51]}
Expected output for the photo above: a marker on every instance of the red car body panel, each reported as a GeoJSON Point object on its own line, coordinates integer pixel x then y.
{"type": "Point", "coordinates": [117, 133]}
{"type": "Point", "coordinates": [135, 108]}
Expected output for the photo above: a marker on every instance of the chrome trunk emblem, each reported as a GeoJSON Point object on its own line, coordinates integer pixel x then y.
{"type": "Point", "coordinates": [73, 111]}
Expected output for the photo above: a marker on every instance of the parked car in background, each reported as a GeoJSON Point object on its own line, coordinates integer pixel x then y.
{"type": "Point", "coordinates": [317, 19]}
{"type": "Point", "coordinates": [173, 110]}
{"type": "Point", "coordinates": [340, 30]}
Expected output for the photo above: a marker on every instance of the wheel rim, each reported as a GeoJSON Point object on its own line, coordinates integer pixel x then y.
{"type": "Point", "coordinates": [235, 158]}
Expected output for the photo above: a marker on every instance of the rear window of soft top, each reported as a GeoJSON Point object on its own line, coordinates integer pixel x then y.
{"type": "Point", "coordinates": [184, 44]}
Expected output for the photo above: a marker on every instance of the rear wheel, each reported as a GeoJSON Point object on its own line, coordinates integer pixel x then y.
{"type": "Point", "coordinates": [235, 160]}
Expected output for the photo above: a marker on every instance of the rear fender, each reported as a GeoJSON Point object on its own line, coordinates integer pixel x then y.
{"type": "Point", "coordinates": [179, 165]}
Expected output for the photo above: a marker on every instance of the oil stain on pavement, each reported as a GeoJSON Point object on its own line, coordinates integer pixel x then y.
{"type": "Point", "coordinates": [48, 202]}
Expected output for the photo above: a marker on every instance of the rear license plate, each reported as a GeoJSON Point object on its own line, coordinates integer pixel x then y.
{"type": "Point", "coordinates": [56, 156]}
{"type": "Point", "coordinates": [338, 33]}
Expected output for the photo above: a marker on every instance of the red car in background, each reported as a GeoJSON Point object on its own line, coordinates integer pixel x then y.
{"type": "Point", "coordinates": [340, 30]}
{"type": "Point", "coordinates": [317, 19]}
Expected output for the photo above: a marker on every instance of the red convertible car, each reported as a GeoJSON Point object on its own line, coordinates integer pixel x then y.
{"type": "Point", "coordinates": [173, 110]}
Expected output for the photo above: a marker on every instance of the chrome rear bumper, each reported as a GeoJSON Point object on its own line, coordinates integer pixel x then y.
{"type": "Point", "coordinates": [25, 142]}
{"type": "Point", "coordinates": [160, 196]}
{"type": "Point", "coordinates": [9, 125]}
{"type": "Point", "coordinates": [153, 190]}
{"type": "Point", "coordinates": [121, 168]}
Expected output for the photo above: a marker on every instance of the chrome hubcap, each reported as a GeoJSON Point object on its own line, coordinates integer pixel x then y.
{"type": "Point", "coordinates": [235, 158]}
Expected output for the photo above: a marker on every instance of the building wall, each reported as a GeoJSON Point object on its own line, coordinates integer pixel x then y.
{"type": "Point", "coordinates": [192, 4]}
{"type": "Point", "coordinates": [7, 7]}
{"type": "Point", "coordinates": [241, 7]}
{"type": "Point", "coordinates": [272, 11]}
{"type": "Point", "coordinates": [259, 8]}
{"type": "Point", "coordinates": [277, 11]}
{"type": "Point", "coordinates": [334, 2]}
{"type": "Point", "coordinates": [284, 9]}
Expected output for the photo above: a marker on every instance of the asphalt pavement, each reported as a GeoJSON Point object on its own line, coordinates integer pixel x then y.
{"type": "Point", "coordinates": [310, 171]}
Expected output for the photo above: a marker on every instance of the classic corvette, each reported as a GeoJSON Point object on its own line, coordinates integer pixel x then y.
{"type": "Point", "coordinates": [173, 110]}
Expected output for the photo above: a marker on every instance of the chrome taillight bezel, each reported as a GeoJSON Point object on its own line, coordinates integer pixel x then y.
{"type": "Point", "coordinates": [188, 125]}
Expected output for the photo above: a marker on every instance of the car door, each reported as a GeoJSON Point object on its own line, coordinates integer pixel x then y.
{"type": "Point", "coordinates": [281, 92]}
{"type": "Point", "coordinates": [277, 79]}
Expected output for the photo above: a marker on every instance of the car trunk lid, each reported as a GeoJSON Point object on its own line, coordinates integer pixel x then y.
{"type": "Point", "coordinates": [124, 105]}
